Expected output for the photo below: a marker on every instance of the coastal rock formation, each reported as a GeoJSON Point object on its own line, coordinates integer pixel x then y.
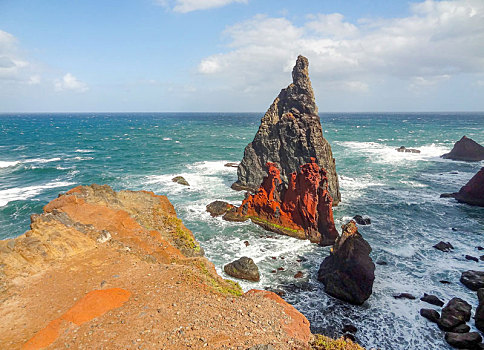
{"type": "Point", "coordinates": [180, 180]}
{"type": "Point", "coordinates": [455, 313]}
{"type": "Point", "coordinates": [104, 268]}
{"type": "Point", "coordinates": [473, 280]}
{"type": "Point", "coordinates": [463, 340]}
{"type": "Point", "coordinates": [407, 150]}
{"type": "Point", "coordinates": [473, 192]}
{"type": "Point", "coordinates": [303, 210]}
{"type": "Point", "coordinates": [243, 268]}
{"type": "Point", "coordinates": [348, 273]}
{"type": "Point", "coordinates": [466, 149]}
{"type": "Point", "coordinates": [290, 134]}
{"type": "Point", "coordinates": [218, 208]}
{"type": "Point", "coordinates": [479, 316]}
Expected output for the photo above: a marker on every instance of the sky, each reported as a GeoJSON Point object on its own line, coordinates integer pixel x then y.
{"type": "Point", "coordinates": [236, 55]}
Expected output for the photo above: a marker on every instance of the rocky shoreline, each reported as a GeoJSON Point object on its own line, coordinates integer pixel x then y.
{"type": "Point", "coordinates": [120, 270]}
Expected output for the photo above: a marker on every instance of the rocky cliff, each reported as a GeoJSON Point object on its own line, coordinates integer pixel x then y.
{"type": "Point", "coordinates": [466, 149]}
{"type": "Point", "coordinates": [473, 192]}
{"type": "Point", "coordinates": [117, 270]}
{"type": "Point", "coordinates": [290, 134]}
{"type": "Point", "coordinates": [303, 210]}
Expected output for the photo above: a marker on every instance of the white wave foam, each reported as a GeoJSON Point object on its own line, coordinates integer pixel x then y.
{"type": "Point", "coordinates": [22, 193]}
{"type": "Point", "coordinates": [212, 168]}
{"type": "Point", "coordinates": [5, 164]}
{"type": "Point", "coordinates": [385, 154]}
{"type": "Point", "coordinates": [352, 188]}
{"type": "Point", "coordinates": [84, 150]}
{"type": "Point", "coordinates": [167, 138]}
{"type": "Point", "coordinates": [42, 160]}
{"type": "Point", "coordinates": [83, 158]}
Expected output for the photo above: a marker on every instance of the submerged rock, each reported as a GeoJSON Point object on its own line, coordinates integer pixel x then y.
{"type": "Point", "coordinates": [303, 210]}
{"type": "Point", "coordinates": [348, 273]}
{"type": "Point", "coordinates": [180, 180]}
{"type": "Point", "coordinates": [472, 258]}
{"type": "Point", "coordinates": [455, 313]}
{"type": "Point", "coordinates": [404, 296]}
{"type": "Point", "coordinates": [473, 279]}
{"type": "Point", "coordinates": [443, 246]}
{"type": "Point", "coordinates": [407, 150]}
{"type": "Point", "coordinates": [290, 134]}
{"type": "Point", "coordinates": [218, 208]}
{"type": "Point", "coordinates": [243, 268]}
{"type": "Point", "coordinates": [473, 192]}
{"type": "Point", "coordinates": [466, 149]}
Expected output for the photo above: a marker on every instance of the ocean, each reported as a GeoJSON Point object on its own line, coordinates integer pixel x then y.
{"type": "Point", "coordinates": [42, 155]}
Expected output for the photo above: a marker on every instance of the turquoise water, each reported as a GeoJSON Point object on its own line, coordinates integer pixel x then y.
{"type": "Point", "coordinates": [42, 155]}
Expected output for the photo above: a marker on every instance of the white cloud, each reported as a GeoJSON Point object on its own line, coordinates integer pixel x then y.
{"type": "Point", "coordinates": [70, 83]}
{"type": "Point", "coordinates": [437, 41]}
{"type": "Point", "coordinates": [12, 66]}
{"type": "Point", "coordinates": [185, 6]}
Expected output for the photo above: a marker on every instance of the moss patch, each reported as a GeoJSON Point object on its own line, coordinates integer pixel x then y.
{"type": "Point", "coordinates": [322, 342]}
{"type": "Point", "coordinates": [220, 285]}
{"type": "Point", "coordinates": [277, 228]}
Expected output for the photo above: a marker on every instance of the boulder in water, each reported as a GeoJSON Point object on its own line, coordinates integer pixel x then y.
{"type": "Point", "coordinates": [473, 279]}
{"type": "Point", "coordinates": [455, 313]}
{"type": "Point", "coordinates": [218, 208]}
{"type": "Point", "coordinates": [243, 268]}
{"type": "Point", "coordinates": [463, 340]}
{"type": "Point", "coordinates": [360, 220]}
{"type": "Point", "coordinates": [180, 180]}
{"type": "Point", "coordinates": [466, 149]}
{"type": "Point", "coordinates": [473, 192]}
{"type": "Point", "coordinates": [348, 273]}
{"type": "Point", "coordinates": [479, 316]}
{"type": "Point", "coordinates": [407, 150]}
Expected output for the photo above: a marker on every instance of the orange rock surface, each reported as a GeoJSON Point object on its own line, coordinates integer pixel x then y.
{"type": "Point", "coordinates": [303, 210]}
{"type": "Point", "coordinates": [118, 270]}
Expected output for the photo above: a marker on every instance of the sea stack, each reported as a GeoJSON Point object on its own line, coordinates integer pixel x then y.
{"type": "Point", "coordinates": [302, 210]}
{"type": "Point", "coordinates": [467, 150]}
{"type": "Point", "coordinates": [290, 134]}
{"type": "Point", "coordinates": [473, 192]}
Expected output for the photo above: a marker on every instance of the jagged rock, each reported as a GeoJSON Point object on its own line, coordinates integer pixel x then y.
{"type": "Point", "coordinates": [443, 246]}
{"type": "Point", "coordinates": [432, 299]}
{"type": "Point", "coordinates": [466, 149]}
{"type": "Point", "coordinates": [473, 192]}
{"type": "Point", "coordinates": [473, 279]}
{"type": "Point", "coordinates": [472, 258]}
{"type": "Point", "coordinates": [407, 150]}
{"type": "Point", "coordinates": [463, 340]}
{"type": "Point", "coordinates": [404, 296]}
{"type": "Point", "coordinates": [180, 180]}
{"type": "Point", "coordinates": [479, 316]}
{"type": "Point", "coordinates": [290, 134]}
{"type": "Point", "coordinates": [243, 268]}
{"type": "Point", "coordinates": [430, 314]}
{"type": "Point", "coordinates": [303, 210]}
{"type": "Point", "coordinates": [348, 273]}
{"type": "Point", "coordinates": [360, 220]}
{"type": "Point", "coordinates": [218, 208]}
{"type": "Point", "coordinates": [456, 312]}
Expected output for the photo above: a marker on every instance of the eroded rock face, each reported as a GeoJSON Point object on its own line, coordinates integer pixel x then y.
{"type": "Point", "coordinates": [243, 268]}
{"type": "Point", "coordinates": [290, 134]}
{"type": "Point", "coordinates": [466, 149]}
{"type": "Point", "coordinates": [473, 192]}
{"type": "Point", "coordinates": [348, 273]}
{"type": "Point", "coordinates": [303, 210]}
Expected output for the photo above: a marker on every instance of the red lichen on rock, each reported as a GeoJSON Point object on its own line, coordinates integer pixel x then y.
{"type": "Point", "coordinates": [94, 304]}
{"type": "Point", "coordinates": [303, 210]}
{"type": "Point", "coordinates": [299, 325]}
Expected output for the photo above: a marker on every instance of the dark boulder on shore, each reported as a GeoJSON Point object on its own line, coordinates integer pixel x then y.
{"type": "Point", "coordinates": [473, 279]}
{"type": "Point", "coordinates": [463, 340]}
{"type": "Point", "coordinates": [348, 273]}
{"type": "Point", "coordinates": [432, 299]}
{"type": "Point", "coordinates": [479, 316]}
{"type": "Point", "coordinates": [466, 149]}
{"type": "Point", "coordinates": [430, 314]}
{"type": "Point", "coordinates": [290, 134]}
{"type": "Point", "coordinates": [455, 313]}
{"type": "Point", "coordinates": [243, 268]}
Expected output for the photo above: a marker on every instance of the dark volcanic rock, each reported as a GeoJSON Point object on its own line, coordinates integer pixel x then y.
{"type": "Point", "coordinates": [443, 246]}
{"type": "Point", "coordinates": [360, 220]}
{"type": "Point", "coordinates": [479, 316]}
{"type": "Point", "coordinates": [349, 328]}
{"type": "Point", "coordinates": [407, 150]}
{"type": "Point", "coordinates": [290, 134]}
{"type": "Point", "coordinates": [473, 279]}
{"type": "Point", "coordinates": [243, 268]}
{"type": "Point", "coordinates": [180, 180]}
{"type": "Point", "coordinates": [462, 328]}
{"type": "Point", "coordinates": [404, 296]}
{"type": "Point", "coordinates": [466, 149]}
{"type": "Point", "coordinates": [456, 312]}
{"type": "Point", "coordinates": [348, 273]}
{"type": "Point", "coordinates": [218, 208]}
{"type": "Point", "coordinates": [473, 258]}
{"type": "Point", "coordinates": [473, 192]}
{"type": "Point", "coordinates": [430, 314]}
{"type": "Point", "coordinates": [381, 262]}
{"type": "Point", "coordinates": [463, 340]}
{"type": "Point", "coordinates": [432, 299]}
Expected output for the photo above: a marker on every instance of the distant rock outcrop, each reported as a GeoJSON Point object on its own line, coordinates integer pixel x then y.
{"type": "Point", "coordinates": [303, 210]}
{"type": "Point", "coordinates": [466, 149]}
{"type": "Point", "coordinates": [348, 273]}
{"type": "Point", "coordinates": [290, 134]}
{"type": "Point", "coordinates": [473, 192]}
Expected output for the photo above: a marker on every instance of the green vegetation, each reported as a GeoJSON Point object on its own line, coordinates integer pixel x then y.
{"type": "Point", "coordinates": [223, 286]}
{"type": "Point", "coordinates": [258, 220]}
{"type": "Point", "coordinates": [322, 342]}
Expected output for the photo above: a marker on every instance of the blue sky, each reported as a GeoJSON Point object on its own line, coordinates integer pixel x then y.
{"type": "Point", "coordinates": [236, 55]}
